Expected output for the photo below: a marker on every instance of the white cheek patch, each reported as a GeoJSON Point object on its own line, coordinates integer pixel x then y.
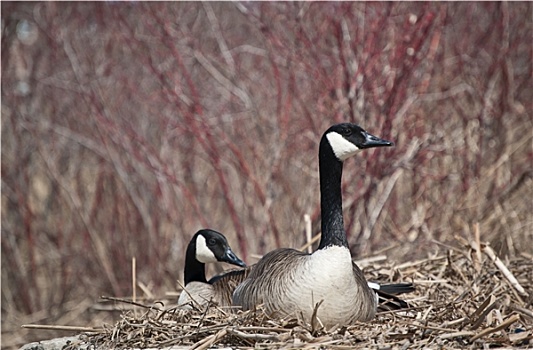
{"type": "Point", "coordinates": [204, 254]}
{"type": "Point", "coordinates": [342, 148]}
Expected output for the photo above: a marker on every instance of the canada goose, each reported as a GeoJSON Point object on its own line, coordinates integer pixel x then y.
{"type": "Point", "coordinates": [207, 246]}
{"type": "Point", "coordinates": [290, 282]}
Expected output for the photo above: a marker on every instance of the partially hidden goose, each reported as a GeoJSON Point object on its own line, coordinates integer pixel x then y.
{"type": "Point", "coordinates": [290, 282]}
{"type": "Point", "coordinates": [208, 246]}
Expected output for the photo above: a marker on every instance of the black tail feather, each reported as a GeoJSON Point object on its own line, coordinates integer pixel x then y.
{"type": "Point", "coordinates": [397, 288]}
{"type": "Point", "coordinates": [387, 296]}
{"type": "Point", "coordinates": [387, 302]}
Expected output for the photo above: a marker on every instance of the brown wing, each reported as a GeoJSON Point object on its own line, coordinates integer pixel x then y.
{"type": "Point", "coordinates": [225, 283]}
{"type": "Point", "coordinates": [266, 278]}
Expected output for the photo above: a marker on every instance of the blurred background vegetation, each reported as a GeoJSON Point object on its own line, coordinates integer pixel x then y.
{"type": "Point", "coordinates": [126, 127]}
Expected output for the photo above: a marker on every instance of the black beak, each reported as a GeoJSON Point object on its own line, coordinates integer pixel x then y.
{"type": "Point", "coordinates": [230, 257]}
{"type": "Point", "coordinates": [374, 141]}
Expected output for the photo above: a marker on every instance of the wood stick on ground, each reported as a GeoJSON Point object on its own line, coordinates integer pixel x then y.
{"type": "Point", "coordinates": [371, 259]}
{"type": "Point", "coordinates": [126, 301]}
{"type": "Point", "coordinates": [508, 274]}
{"type": "Point", "coordinates": [134, 283]}
{"type": "Point", "coordinates": [254, 336]}
{"type": "Point", "coordinates": [522, 310]}
{"type": "Point", "coordinates": [459, 334]}
{"type": "Point", "coordinates": [503, 325]}
{"type": "Point", "coordinates": [208, 341]}
{"type": "Point", "coordinates": [476, 246]}
{"type": "Point", "coordinates": [488, 305]}
{"type": "Point", "coordinates": [61, 328]}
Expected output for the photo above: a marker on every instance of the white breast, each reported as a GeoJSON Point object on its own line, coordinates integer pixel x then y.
{"type": "Point", "coordinates": [325, 275]}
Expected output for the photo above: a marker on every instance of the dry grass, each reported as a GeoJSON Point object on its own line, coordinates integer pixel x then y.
{"type": "Point", "coordinates": [464, 299]}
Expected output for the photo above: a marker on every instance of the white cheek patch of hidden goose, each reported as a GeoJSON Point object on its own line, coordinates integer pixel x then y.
{"type": "Point", "coordinates": [203, 253]}
{"type": "Point", "coordinates": [342, 148]}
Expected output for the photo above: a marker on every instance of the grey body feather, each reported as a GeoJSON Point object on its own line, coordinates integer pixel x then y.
{"type": "Point", "coordinates": [217, 291]}
{"type": "Point", "coordinates": [291, 283]}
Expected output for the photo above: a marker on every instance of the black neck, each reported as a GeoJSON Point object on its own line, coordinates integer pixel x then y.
{"type": "Point", "coordinates": [330, 198]}
{"type": "Point", "coordinates": [194, 270]}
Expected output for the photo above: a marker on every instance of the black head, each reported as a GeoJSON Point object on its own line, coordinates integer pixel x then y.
{"type": "Point", "coordinates": [212, 246]}
{"type": "Point", "coordinates": [346, 139]}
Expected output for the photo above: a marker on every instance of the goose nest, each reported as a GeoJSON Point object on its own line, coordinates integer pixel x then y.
{"type": "Point", "coordinates": [467, 298]}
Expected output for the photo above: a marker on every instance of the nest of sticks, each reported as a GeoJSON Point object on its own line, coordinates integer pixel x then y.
{"type": "Point", "coordinates": [465, 298]}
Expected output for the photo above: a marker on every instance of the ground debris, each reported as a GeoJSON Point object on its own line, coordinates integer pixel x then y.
{"type": "Point", "coordinates": [460, 302]}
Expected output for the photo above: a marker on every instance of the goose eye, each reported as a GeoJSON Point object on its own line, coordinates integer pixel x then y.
{"type": "Point", "coordinates": [212, 241]}
{"type": "Point", "coordinates": [347, 132]}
